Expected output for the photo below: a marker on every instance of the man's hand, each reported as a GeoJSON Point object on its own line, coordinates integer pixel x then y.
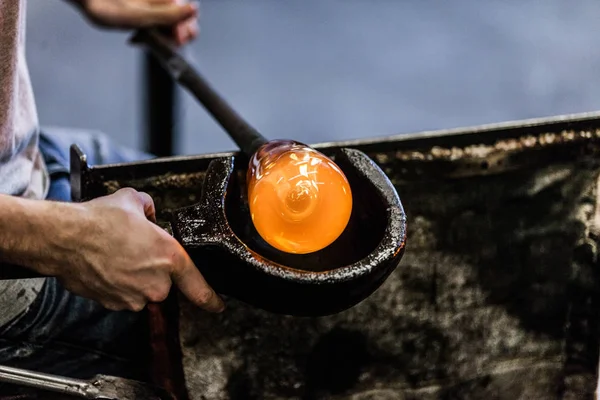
{"type": "Point", "coordinates": [124, 261]}
{"type": "Point", "coordinates": [179, 15]}
{"type": "Point", "coordinates": [106, 249]}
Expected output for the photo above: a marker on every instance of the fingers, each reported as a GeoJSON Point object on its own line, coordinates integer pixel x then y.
{"type": "Point", "coordinates": [148, 205]}
{"type": "Point", "coordinates": [180, 16]}
{"type": "Point", "coordinates": [186, 31]}
{"type": "Point", "coordinates": [163, 13]}
{"type": "Point", "coordinates": [139, 13]}
{"type": "Point", "coordinates": [192, 284]}
{"type": "Point", "coordinates": [132, 200]}
{"type": "Point", "coordinates": [160, 2]}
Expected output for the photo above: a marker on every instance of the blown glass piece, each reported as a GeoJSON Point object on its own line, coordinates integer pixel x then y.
{"type": "Point", "coordinates": [300, 200]}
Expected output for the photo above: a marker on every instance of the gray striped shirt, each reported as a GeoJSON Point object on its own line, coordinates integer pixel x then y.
{"type": "Point", "coordinates": [22, 169]}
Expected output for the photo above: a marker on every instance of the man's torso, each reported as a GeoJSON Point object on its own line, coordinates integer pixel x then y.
{"type": "Point", "coordinates": [22, 169]}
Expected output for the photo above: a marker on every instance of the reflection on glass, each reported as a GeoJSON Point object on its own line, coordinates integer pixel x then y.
{"type": "Point", "coordinates": [300, 201]}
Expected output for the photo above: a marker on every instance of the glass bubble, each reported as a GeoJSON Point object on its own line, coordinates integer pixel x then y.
{"type": "Point", "coordinates": [300, 201]}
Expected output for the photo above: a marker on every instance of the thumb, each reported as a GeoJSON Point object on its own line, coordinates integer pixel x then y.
{"type": "Point", "coordinates": [193, 285]}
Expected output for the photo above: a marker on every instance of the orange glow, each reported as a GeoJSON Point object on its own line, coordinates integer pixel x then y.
{"type": "Point", "coordinates": [300, 201]}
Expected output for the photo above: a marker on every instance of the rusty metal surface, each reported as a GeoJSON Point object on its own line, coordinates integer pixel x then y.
{"type": "Point", "coordinates": [497, 297]}
{"type": "Point", "coordinates": [464, 148]}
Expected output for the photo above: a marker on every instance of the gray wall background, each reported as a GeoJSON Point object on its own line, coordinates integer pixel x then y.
{"type": "Point", "coordinates": [321, 70]}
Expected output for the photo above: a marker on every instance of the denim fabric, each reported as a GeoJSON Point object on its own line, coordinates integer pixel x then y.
{"type": "Point", "coordinates": [66, 334]}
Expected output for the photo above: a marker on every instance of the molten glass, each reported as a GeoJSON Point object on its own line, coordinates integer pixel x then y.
{"type": "Point", "coordinates": [300, 201]}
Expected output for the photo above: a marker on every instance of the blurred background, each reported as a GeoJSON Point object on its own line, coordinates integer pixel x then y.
{"type": "Point", "coordinates": [324, 70]}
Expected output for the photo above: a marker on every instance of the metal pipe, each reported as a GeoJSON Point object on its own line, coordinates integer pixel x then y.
{"type": "Point", "coordinates": [54, 383]}
{"type": "Point", "coordinates": [160, 108]}
{"type": "Point", "coordinates": [241, 132]}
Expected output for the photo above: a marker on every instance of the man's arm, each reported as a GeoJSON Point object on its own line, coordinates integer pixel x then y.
{"type": "Point", "coordinates": [106, 249]}
{"type": "Point", "coordinates": [30, 230]}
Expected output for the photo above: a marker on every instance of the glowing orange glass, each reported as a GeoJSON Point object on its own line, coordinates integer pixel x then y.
{"type": "Point", "coordinates": [300, 201]}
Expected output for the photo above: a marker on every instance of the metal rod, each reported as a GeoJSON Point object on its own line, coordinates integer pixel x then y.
{"type": "Point", "coordinates": [160, 108]}
{"type": "Point", "coordinates": [241, 132]}
{"type": "Point", "coordinates": [48, 382]}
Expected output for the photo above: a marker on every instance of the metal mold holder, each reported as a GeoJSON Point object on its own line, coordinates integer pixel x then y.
{"type": "Point", "coordinates": [213, 224]}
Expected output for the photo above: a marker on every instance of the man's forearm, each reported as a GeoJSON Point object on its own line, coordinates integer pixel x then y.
{"type": "Point", "coordinates": [32, 231]}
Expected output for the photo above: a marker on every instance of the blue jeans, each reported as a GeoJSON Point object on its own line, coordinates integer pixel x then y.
{"type": "Point", "coordinates": [62, 333]}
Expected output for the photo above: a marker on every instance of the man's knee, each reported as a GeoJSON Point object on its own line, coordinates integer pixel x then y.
{"type": "Point", "coordinates": [98, 147]}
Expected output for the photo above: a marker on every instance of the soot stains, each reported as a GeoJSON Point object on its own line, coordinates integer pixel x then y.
{"type": "Point", "coordinates": [239, 386]}
{"type": "Point", "coordinates": [335, 363]}
{"type": "Point", "coordinates": [521, 241]}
